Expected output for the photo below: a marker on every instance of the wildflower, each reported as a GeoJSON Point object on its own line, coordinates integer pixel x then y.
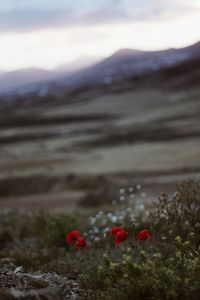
{"type": "Point", "coordinates": [106, 230]}
{"type": "Point", "coordinates": [96, 229]}
{"type": "Point", "coordinates": [141, 206]}
{"type": "Point", "coordinates": [115, 230]}
{"type": "Point", "coordinates": [109, 215]}
{"type": "Point", "coordinates": [72, 236]}
{"type": "Point", "coordinates": [92, 220]}
{"type": "Point", "coordinates": [143, 235]}
{"type": "Point", "coordinates": [81, 242]}
{"type": "Point", "coordinates": [121, 218]}
{"type": "Point", "coordinates": [114, 219]}
{"type": "Point", "coordinates": [129, 209]}
{"type": "Point", "coordinates": [104, 222]}
{"type": "Point", "coordinates": [120, 237]}
{"type": "Point", "coordinates": [122, 191]}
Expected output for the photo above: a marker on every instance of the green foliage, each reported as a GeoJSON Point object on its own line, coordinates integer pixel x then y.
{"type": "Point", "coordinates": [167, 266]}
{"type": "Point", "coordinates": [52, 229]}
{"type": "Point", "coordinates": [141, 274]}
{"type": "Point", "coordinates": [35, 240]}
{"type": "Point", "coordinates": [178, 215]}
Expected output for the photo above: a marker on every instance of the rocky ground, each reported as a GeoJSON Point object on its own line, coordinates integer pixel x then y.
{"type": "Point", "coordinates": [17, 284]}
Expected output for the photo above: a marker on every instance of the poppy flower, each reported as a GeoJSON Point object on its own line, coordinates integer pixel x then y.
{"type": "Point", "coordinates": [143, 235]}
{"type": "Point", "coordinates": [120, 237]}
{"type": "Point", "coordinates": [72, 236]}
{"type": "Point", "coordinates": [115, 230]}
{"type": "Point", "coordinates": [81, 242]}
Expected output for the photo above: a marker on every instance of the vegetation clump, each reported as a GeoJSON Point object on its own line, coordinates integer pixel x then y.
{"type": "Point", "coordinates": [129, 251]}
{"type": "Point", "coordinates": [163, 266]}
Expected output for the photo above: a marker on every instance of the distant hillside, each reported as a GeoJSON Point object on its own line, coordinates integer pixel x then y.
{"type": "Point", "coordinates": [184, 75]}
{"type": "Point", "coordinates": [122, 65]}
{"type": "Point", "coordinates": [128, 63]}
{"type": "Point", "coordinates": [33, 76]}
{"type": "Point", "coordinates": [10, 80]}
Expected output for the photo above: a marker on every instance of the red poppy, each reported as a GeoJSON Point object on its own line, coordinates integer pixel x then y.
{"type": "Point", "coordinates": [115, 230]}
{"type": "Point", "coordinates": [72, 236]}
{"type": "Point", "coordinates": [120, 237]}
{"type": "Point", "coordinates": [81, 242]}
{"type": "Point", "coordinates": [143, 235]}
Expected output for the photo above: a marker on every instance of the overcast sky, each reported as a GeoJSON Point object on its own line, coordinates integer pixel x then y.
{"type": "Point", "coordinates": [47, 33]}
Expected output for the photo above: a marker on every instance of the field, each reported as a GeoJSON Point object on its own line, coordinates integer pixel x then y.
{"type": "Point", "coordinates": [61, 149]}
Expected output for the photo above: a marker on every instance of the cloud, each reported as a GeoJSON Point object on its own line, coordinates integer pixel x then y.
{"type": "Point", "coordinates": [29, 20]}
{"type": "Point", "coordinates": [42, 15]}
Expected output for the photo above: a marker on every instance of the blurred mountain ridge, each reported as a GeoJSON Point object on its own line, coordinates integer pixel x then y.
{"type": "Point", "coordinates": [123, 64]}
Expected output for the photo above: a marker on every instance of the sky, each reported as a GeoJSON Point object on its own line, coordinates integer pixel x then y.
{"type": "Point", "coordinates": [49, 33]}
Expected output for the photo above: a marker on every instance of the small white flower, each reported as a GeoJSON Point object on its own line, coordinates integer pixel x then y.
{"type": "Point", "coordinates": [96, 229]}
{"type": "Point", "coordinates": [129, 209]}
{"type": "Point", "coordinates": [114, 219]}
{"type": "Point", "coordinates": [109, 215]}
{"type": "Point", "coordinates": [141, 206]}
{"type": "Point", "coordinates": [106, 230]}
{"type": "Point", "coordinates": [104, 222]}
{"type": "Point", "coordinates": [92, 220]}
{"type": "Point", "coordinates": [122, 191]}
{"type": "Point", "coordinates": [138, 187]}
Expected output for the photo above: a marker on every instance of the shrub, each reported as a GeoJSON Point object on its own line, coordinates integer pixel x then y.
{"type": "Point", "coordinates": [141, 274]}
{"type": "Point", "coordinates": [165, 267]}
{"type": "Point", "coordinates": [178, 215]}
{"type": "Point", "coordinates": [52, 229]}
